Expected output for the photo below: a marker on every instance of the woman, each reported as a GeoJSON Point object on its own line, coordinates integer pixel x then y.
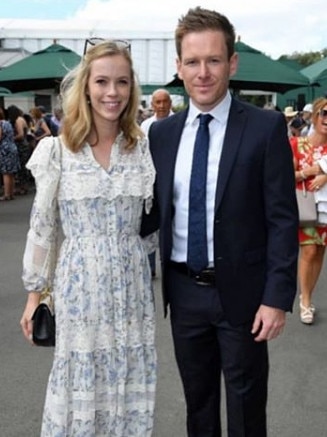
{"type": "Point", "coordinates": [9, 161]}
{"type": "Point", "coordinates": [309, 152]}
{"type": "Point", "coordinates": [18, 122]}
{"type": "Point", "coordinates": [101, 178]}
{"type": "Point", "coordinates": [40, 128]}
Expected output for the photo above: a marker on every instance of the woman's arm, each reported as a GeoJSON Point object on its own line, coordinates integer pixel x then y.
{"type": "Point", "coordinates": [19, 127]}
{"type": "Point", "coordinates": [46, 131]}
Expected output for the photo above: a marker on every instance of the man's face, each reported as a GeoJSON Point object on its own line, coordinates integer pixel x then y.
{"type": "Point", "coordinates": [161, 104]}
{"type": "Point", "coordinates": [205, 68]}
{"type": "Point", "coordinates": [306, 115]}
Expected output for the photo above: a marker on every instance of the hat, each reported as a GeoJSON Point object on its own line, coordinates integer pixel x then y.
{"type": "Point", "coordinates": [297, 123]}
{"type": "Point", "coordinates": [289, 111]}
{"type": "Point", "coordinates": [307, 108]}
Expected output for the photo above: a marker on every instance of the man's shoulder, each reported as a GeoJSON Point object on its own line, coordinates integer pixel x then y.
{"type": "Point", "coordinates": [257, 114]}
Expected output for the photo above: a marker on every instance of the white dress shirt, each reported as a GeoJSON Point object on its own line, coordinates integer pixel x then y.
{"type": "Point", "coordinates": [217, 128]}
{"type": "Point", "coordinates": [146, 124]}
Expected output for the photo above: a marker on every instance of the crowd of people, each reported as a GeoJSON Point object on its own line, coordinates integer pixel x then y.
{"type": "Point", "coordinates": [217, 180]}
{"type": "Point", "coordinates": [20, 133]}
{"type": "Point", "coordinates": [307, 132]}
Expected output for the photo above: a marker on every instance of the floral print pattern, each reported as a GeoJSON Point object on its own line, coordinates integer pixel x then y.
{"type": "Point", "coordinates": [103, 377]}
{"type": "Point", "coordinates": [306, 155]}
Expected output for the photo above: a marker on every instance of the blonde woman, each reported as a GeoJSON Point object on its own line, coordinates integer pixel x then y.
{"type": "Point", "coordinates": [97, 183]}
{"type": "Point", "coordinates": [307, 152]}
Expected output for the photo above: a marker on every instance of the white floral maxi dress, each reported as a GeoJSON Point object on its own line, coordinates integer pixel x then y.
{"type": "Point", "coordinates": [103, 378]}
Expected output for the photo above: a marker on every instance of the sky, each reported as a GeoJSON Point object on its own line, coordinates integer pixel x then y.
{"type": "Point", "coordinates": [275, 27]}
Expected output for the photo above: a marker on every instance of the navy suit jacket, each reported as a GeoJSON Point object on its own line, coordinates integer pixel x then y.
{"type": "Point", "coordinates": [256, 217]}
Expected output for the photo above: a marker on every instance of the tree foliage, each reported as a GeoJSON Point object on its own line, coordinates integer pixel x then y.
{"type": "Point", "coordinates": [306, 59]}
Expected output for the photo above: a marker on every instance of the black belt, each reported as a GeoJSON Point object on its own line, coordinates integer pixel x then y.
{"type": "Point", "coordinates": [206, 277]}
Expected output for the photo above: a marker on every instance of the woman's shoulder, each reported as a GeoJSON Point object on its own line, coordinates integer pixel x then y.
{"type": "Point", "coordinates": [46, 155]}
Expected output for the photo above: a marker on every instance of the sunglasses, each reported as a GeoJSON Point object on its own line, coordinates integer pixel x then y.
{"type": "Point", "coordinates": [94, 41]}
{"type": "Point", "coordinates": [323, 113]}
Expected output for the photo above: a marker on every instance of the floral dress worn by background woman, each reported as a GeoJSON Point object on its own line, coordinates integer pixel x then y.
{"type": "Point", "coordinates": [103, 378]}
{"type": "Point", "coordinates": [306, 155]}
{"type": "Point", "coordinates": [9, 160]}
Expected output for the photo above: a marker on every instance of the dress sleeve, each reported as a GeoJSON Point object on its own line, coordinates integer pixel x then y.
{"type": "Point", "coordinates": [151, 241]}
{"type": "Point", "coordinates": [42, 243]}
{"type": "Point", "coordinates": [149, 174]}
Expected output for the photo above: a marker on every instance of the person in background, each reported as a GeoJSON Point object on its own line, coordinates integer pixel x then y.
{"type": "Point", "coordinates": [229, 246]}
{"type": "Point", "coordinates": [308, 153]}
{"type": "Point", "coordinates": [40, 128]}
{"type": "Point", "coordinates": [9, 160]}
{"type": "Point", "coordinates": [161, 105]}
{"type": "Point", "coordinates": [307, 115]}
{"type": "Point", "coordinates": [295, 126]}
{"type": "Point", "coordinates": [47, 117]}
{"type": "Point", "coordinates": [18, 122]}
{"type": "Point", "coordinates": [97, 178]}
{"type": "Point", "coordinates": [140, 115]}
{"type": "Point", "coordinates": [289, 114]}
{"type": "Point", "coordinates": [56, 120]}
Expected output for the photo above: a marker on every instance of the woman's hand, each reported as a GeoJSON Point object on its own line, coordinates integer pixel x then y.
{"type": "Point", "coordinates": [26, 322]}
{"type": "Point", "coordinates": [317, 182]}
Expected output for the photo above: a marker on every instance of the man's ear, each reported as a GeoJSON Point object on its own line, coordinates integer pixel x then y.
{"type": "Point", "coordinates": [178, 67]}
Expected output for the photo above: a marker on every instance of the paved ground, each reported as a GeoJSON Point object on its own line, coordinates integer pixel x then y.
{"type": "Point", "coordinates": [298, 382]}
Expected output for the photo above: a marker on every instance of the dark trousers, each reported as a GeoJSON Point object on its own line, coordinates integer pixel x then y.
{"type": "Point", "coordinates": [206, 345]}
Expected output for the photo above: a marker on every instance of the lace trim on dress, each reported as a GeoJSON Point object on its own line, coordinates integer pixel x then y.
{"type": "Point", "coordinates": [129, 174]}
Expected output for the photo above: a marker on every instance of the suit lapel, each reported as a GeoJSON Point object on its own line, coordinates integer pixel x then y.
{"type": "Point", "coordinates": [234, 131]}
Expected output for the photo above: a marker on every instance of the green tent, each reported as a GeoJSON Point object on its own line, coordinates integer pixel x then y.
{"type": "Point", "coordinates": [317, 75]}
{"type": "Point", "coordinates": [41, 70]}
{"type": "Point", "coordinates": [316, 71]}
{"type": "Point", "coordinates": [257, 71]}
{"type": "Point", "coordinates": [4, 92]}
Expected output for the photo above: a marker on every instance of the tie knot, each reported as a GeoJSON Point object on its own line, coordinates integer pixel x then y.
{"type": "Point", "coordinates": [205, 119]}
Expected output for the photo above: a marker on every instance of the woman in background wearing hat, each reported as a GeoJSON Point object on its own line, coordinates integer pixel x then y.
{"type": "Point", "coordinates": [289, 114]}
{"type": "Point", "coordinates": [307, 152]}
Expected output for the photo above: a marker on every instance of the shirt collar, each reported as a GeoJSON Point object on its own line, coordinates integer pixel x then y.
{"type": "Point", "coordinates": [220, 112]}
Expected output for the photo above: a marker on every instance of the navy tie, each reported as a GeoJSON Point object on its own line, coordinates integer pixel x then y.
{"type": "Point", "coordinates": [197, 250]}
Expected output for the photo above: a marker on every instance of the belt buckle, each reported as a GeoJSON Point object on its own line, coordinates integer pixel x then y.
{"type": "Point", "coordinates": [204, 278]}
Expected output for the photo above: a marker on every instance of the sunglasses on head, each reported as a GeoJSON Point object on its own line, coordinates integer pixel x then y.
{"type": "Point", "coordinates": [95, 41]}
{"type": "Point", "coordinates": [323, 113]}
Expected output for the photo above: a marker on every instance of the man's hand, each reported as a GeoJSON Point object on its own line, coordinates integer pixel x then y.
{"type": "Point", "coordinates": [268, 323]}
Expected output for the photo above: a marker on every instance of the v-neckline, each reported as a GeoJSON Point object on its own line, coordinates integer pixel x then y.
{"type": "Point", "coordinates": [114, 151]}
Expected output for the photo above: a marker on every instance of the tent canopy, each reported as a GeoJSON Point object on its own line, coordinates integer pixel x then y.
{"type": "Point", "coordinates": [41, 70]}
{"type": "Point", "coordinates": [260, 72]}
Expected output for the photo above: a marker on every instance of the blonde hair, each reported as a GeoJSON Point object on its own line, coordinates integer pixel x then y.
{"type": "Point", "coordinates": [36, 113]}
{"type": "Point", "coordinates": [77, 119]}
{"type": "Point", "coordinates": [316, 106]}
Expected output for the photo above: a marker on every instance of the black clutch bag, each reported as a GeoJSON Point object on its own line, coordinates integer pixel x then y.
{"type": "Point", "coordinates": [44, 324]}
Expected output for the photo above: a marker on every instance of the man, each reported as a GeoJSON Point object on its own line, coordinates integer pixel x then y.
{"type": "Point", "coordinates": [307, 115]}
{"type": "Point", "coordinates": [161, 104]}
{"type": "Point", "coordinates": [223, 314]}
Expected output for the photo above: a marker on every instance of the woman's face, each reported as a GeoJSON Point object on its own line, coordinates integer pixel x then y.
{"type": "Point", "coordinates": [321, 121]}
{"type": "Point", "coordinates": [109, 88]}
